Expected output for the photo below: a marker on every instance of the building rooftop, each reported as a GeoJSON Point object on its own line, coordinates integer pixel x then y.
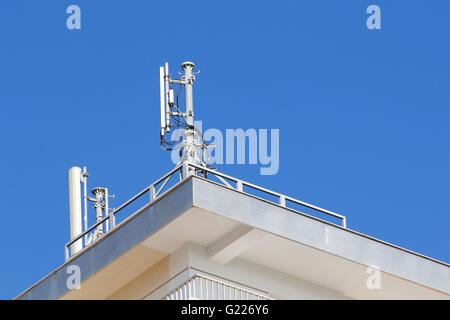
{"type": "Point", "coordinates": [228, 226]}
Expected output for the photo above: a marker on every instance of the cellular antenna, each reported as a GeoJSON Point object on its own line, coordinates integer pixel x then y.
{"type": "Point", "coordinates": [77, 217]}
{"type": "Point", "coordinates": [192, 145]}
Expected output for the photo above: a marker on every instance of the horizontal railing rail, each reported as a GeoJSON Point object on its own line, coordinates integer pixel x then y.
{"type": "Point", "coordinates": [281, 197]}
{"type": "Point", "coordinates": [183, 170]}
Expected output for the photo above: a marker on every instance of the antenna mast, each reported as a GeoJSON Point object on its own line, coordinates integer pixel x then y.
{"type": "Point", "coordinates": [76, 177]}
{"type": "Point", "coordinates": [192, 145]}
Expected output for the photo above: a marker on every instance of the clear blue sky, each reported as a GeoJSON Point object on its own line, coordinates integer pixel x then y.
{"type": "Point", "coordinates": [363, 115]}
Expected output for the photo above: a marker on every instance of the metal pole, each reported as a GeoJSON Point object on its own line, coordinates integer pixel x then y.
{"type": "Point", "coordinates": [85, 202]}
{"type": "Point", "coordinates": [106, 210]}
{"type": "Point", "coordinates": [189, 142]}
{"type": "Point", "coordinates": [189, 80]}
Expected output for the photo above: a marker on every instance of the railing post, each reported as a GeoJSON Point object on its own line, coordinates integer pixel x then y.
{"type": "Point", "coordinates": [282, 201]}
{"type": "Point", "coordinates": [112, 220]}
{"type": "Point", "coordinates": [239, 186]}
{"type": "Point", "coordinates": [186, 171]}
{"type": "Point", "coordinates": [344, 222]}
{"type": "Point", "coordinates": [67, 253]}
{"type": "Point", "coordinates": [152, 193]}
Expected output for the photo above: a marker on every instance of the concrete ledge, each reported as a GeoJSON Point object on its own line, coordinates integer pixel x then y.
{"type": "Point", "coordinates": [114, 244]}
{"type": "Point", "coordinates": [321, 235]}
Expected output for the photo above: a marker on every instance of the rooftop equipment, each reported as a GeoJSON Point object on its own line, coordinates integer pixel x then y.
{"type": "Point", "coordinates": [192, 147]}
{"type": "Point", "coordinates": [193, 161]}
{"type": "Point", "coordinates": [76, 177]}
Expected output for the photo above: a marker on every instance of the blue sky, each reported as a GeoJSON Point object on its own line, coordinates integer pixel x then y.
{"type": "Point", "coordinates": [363, 114]}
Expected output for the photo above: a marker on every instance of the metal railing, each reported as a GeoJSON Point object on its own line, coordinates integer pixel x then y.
{"type": "Point", "coordinates": [111, 217]}
{"type": "Point", "coordinates": [185, 170]}
{"type": "Point", "coordinates": [281, 197]}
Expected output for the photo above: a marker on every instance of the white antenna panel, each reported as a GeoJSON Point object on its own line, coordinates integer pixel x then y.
{"type": "Point", "coordinates": [171, 102]}
{"type": "Point", "coordinates": [162, 100]}
{"type": "Point", "coordinates": [166, 78]}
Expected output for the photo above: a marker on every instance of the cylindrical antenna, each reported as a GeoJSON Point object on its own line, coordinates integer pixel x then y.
{"type": "Point", "coordinates": [166, 66]}
{"type": "Point", "coordinates": [75, 208]}
{"type": "Point", "coordinates": [189, 79]}
{"type": "Point", "coordinates": [161, 97]}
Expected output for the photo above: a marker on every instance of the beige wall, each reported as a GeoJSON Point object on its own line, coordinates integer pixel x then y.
{"type": "Point", "coordinates": [190, 259]}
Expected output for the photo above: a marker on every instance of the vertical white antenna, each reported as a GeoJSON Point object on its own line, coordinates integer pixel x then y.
{"type": "Point", "coordinates": [75, 207]}
{"type": "Point", "coordinates": [162, 103]}
{"type": "Point", "coordinates": [166, 77]}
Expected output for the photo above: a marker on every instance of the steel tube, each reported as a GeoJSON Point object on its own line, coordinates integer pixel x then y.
{"type": "Point", "coordinates": [107, 210]}
{"type": "Point", "coordinates": [85, 202]}
{"type": "Point", "coordinates": [188, 79]}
